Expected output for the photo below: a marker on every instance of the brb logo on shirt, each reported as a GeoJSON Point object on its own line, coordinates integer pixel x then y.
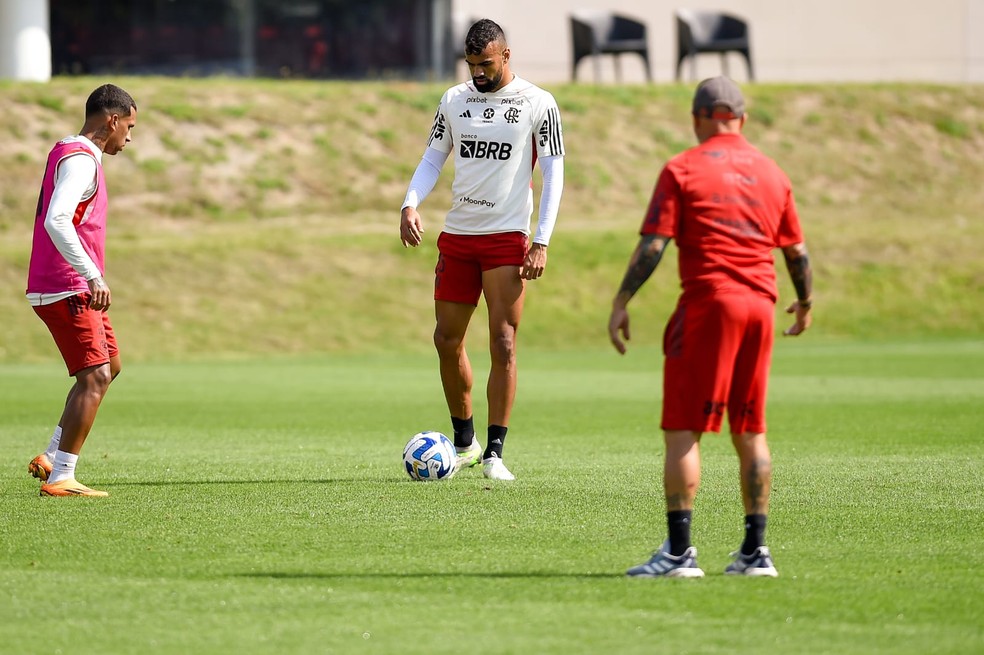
{"type": "Point", "coordinates": [475, 149]}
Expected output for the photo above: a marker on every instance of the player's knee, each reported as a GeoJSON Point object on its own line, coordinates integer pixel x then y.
{"type": "Point", "coordinates": [447, 343]}
{"type": "Point", "coordinates": [503, 348]}
{"type": "Point", "coordinates": [96, 380]}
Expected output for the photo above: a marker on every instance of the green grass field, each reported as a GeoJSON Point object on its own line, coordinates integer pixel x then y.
{"type": "Point", "coordinates": [276, 345]}
{"type": "Point", "coordinates": [259, 506]}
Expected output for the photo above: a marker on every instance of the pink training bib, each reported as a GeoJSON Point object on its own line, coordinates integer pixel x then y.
{"type": "Point", "coordinates": [48, 271]}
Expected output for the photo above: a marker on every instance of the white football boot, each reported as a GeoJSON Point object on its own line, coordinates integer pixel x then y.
{"type": "Point", "coordinates": [494, 469]}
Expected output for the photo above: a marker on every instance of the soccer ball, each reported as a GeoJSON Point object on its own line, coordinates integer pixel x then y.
{"type": "Point", "coordinates": [429, 456]}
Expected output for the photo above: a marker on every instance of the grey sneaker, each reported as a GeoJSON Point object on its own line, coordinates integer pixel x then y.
{"type": "Point", "coordinates": [664, 565]}
{"type": "Point", "coordinates": [758, 563]}
{"type": "Point", "coordinates": [468, 456]}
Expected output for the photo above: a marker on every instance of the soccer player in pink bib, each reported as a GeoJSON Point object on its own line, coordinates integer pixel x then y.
{"type": "Point", "coordinates": [498, 126]}
{"type": "Point", "coordinates": [66, 284]}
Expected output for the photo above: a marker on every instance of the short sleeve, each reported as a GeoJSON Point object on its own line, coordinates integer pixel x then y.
{"type": "Point", "coordinates": [663, 214]}
{"type": "Point", "coordinates": [790, 231]}
{"type": "Point", "coordinates": [440, 136]}
{"type": "Point", "coordinates": [549, 135]}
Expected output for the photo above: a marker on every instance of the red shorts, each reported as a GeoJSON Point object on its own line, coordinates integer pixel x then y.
{"type": "Point", "coordinates": [83, 335]}
{"type": "Point", "coordinates": [463, 258]}
{"type": "Point", "coordinates": [718, 353]}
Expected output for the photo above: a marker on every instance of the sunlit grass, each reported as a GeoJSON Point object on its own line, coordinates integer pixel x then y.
{"type": "Point", "coordinates": [260, 506]}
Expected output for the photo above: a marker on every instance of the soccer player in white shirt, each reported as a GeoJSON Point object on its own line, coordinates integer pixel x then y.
{"type": "Point", "coordinates": [499, 127]}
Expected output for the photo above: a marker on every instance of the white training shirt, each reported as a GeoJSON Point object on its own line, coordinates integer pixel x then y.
{"type": "Point", "coordinates": [496, 139]}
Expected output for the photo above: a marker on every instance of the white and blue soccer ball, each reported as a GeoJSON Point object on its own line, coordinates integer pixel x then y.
{"type": "Point", "coordinates": [429, 456]}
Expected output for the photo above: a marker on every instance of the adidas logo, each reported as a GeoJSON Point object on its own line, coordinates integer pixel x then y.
{"type": "Point", "coordinates": [467, 114]}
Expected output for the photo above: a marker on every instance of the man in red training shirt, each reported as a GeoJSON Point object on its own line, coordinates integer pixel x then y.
{"type": "Point", "coordinates": [728, 206]}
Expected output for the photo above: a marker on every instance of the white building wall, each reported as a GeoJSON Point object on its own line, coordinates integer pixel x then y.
{"type": "Point", "coordinates": [973, 22]}
{"type": "Point", "coordinates": [25, 47]}
{"type": "Point", "coordinates": [792, 40]}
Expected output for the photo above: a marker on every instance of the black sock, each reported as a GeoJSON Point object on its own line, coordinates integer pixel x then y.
{"type": "Point", "coordinates": [464, 431]}
{"type": "Point", "coordinates": [754, 533]}
{"type": "Point", "coordinates": [497, 436]}
{"type": "Point", "coordinates": [678, 522]}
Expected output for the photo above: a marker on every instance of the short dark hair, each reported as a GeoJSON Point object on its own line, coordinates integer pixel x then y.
{"type": "Point", "coordinates": [109, 99]}
{"type": "Point", "coordinates": [481, 34]}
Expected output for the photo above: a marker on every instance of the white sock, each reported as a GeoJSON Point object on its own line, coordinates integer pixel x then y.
{"type": "Point", "coordinates": [53, 445]}
{"type": "Point", "coordinates": [63, 468]}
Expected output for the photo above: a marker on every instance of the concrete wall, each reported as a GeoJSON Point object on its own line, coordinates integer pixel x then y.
{"type": "Point", "coordinates": [25, 48]}
{"type": "Point", "coordinates": [792, 40]}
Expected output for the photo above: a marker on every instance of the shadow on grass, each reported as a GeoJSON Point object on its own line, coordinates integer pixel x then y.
{"type": "Point", "coordinates": [192, 483]}
{"type": "Point", "coordinates": [437, 576]}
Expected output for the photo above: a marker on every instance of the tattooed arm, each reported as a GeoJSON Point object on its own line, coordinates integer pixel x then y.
{"type": "Point", "coordinates": [642, 264]}
{"type": "Point", "coordinates": [798, 265]}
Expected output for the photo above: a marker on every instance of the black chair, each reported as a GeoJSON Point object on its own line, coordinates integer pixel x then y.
{"type": "Point", "coordinates": [708, 31]}
{"type": "Point", "coordinates": [595, 33]}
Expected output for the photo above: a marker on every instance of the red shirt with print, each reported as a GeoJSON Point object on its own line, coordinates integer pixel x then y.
{"type": "Point", "coordinates": [728, 206]}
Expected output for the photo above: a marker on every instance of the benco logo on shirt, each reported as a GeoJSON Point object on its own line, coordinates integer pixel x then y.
{"type": "Point", "coordinates": [475, 149]}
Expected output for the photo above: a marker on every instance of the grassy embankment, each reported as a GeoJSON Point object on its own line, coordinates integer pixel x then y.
{"type": "Point", "coordinates": [260, 216]}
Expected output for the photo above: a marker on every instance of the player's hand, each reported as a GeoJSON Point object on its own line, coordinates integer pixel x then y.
{"type": "Point", "coordinates": [411, 227]}
{"type": "Point", "coordinates": [803, 319]}
{"type": "Point", "coordinates": [100, 296]}
{"type": "Point", "coordinates": [534, 263]}
{"type": "Point", "coordinates": [618, 326]}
